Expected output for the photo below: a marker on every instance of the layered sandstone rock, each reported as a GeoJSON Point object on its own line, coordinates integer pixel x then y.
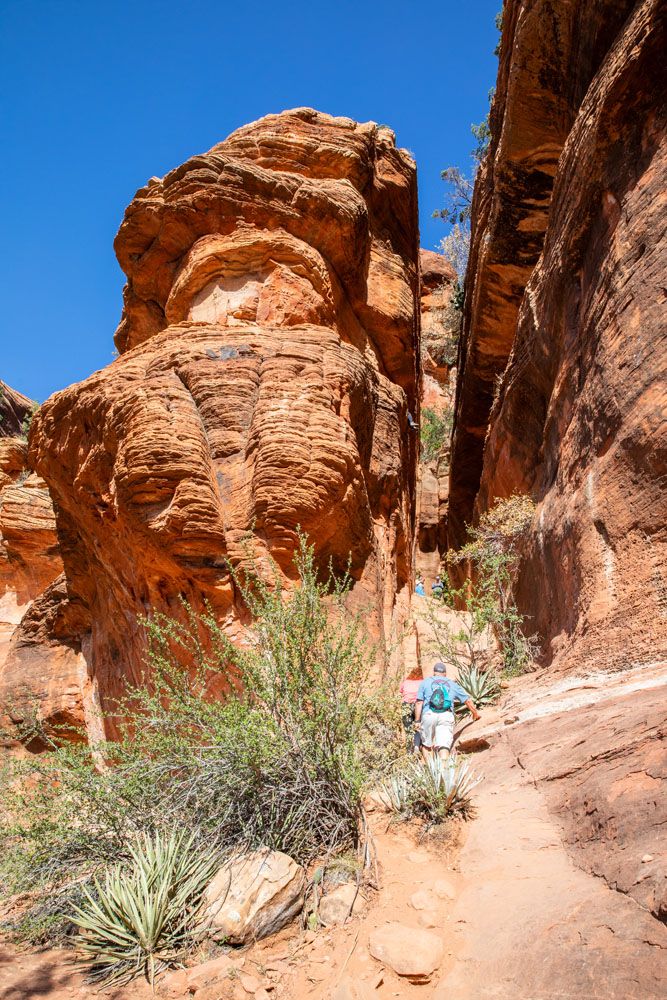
{"type": "Point", "coordinates": [440, 323]}
{"type": "Point", "coordinates": [580, 420]}
{"type": "Point", "coordinates": [268, 363]}
{"type": "Point", "coordinates": [14, 408]}
{"type": "Point", "coordinates": [549, 56]}
{"type": "Point", "coordinates": [29, 562]}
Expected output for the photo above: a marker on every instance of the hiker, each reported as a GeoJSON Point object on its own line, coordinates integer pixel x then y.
{"type": "Point", "coordinates": [409, 690]}
{"type": "Point", "coordinates": [437, 587]}
{"type": "Point", "coordinates": [434, 711]}
{"type": "Point", "coordinates": [419, 586]}
{"type": "Point", "coordinates": [411, 422]}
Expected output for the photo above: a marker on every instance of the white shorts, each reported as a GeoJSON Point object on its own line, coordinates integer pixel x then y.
{"type": "Point", "coordinates": [437, 729]}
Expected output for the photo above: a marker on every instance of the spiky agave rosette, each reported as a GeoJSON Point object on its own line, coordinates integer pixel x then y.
{"type": "Point", "coordinates": [144, 914]}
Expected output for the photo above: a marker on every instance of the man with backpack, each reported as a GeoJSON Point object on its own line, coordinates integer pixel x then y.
{"type": "Point", "coordinates": [434, 711]}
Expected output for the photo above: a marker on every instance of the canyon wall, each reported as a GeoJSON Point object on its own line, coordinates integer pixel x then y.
{"type": "Point", "coordinates": [440, 323]}
{"type": "Point", "coordinates": [29, 563]}
{"type": "Point", "coordinates": [562, 390]}
{"type": "Point", "coordinates": [268, 362]}
{"type": "Point", "coordinates": [14, 408]}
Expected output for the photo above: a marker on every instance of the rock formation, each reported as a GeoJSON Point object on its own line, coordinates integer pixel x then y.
{"type": "Point", "coordinates": [268, 364]}
{"type": "Point", "coordinates": [440, 323]}
{"type": "Point", "coordinates": [29, 562]}
{"type": "Point", "coordinates": [562, 395]}
{"type": "Point", "coordinates": [14, 408]}
{"type": "Point", "coordinates": [562, 384]}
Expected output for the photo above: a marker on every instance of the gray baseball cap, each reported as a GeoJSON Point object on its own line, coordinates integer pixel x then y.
{"type": "Point", "coordinates": [439, 668]}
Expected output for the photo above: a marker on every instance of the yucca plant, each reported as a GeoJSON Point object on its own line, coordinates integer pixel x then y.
{"type": "Point", "coordinates": [483, 686]}
{"type": "Point", "coordinates": [444, 788]}
{"type": "Point", "coordinates": [433, 788]}
{"type": "Point", "coordinates": [395, 792]}
{"type": "Point", "coordinates": [142, 916]}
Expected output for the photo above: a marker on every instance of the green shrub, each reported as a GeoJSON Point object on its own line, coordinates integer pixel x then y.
{"type": "Point", "coordinates": [436, 431]}
{"type": "Point", "coordinates": [488, 597]}
{"type": "Point", "coordinates": [143, 915]}
{"type": "Point", "coordinates": [280, 763]}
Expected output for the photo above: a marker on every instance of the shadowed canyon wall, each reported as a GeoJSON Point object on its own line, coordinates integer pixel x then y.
{"type": "Point", "coordinates": [562, 390]}
{"type": "Point", "coordinates": [269, 346]}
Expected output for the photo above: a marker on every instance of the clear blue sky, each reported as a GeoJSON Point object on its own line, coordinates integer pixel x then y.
{"type": "Point", "coordinates": [99, 95]}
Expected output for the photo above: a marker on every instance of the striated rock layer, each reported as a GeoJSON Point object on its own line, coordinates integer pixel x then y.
{"type": "Point", "coordinates": [440, 324]}
{"type": "Point", "coordinates": [268, 363]}
{"type": "Point", "coordinates": [29, 562]}
{"type": "Point", "coordinates": [14, 408]}
{"type": "Point", "coordinates": [576, 178]}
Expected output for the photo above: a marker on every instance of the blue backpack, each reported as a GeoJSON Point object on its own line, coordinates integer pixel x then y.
{"type": "Point", "coordinates": [440, 700]}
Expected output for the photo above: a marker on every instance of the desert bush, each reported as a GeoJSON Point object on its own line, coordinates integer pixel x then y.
{"type": "Point", "coordinates": [492, 550]}
{"type": "Point", "coordinates": [145, 913]}
{"type": "Point", "coordinates": [487, 597]}
{"type": "Point", "coordinates": [435, 434]}
{"type": "Point", "coordinates": [281, 762]}
{"type": "Point", "coordinates": [432, 789]}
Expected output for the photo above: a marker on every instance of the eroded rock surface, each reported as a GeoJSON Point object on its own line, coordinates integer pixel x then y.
{"type": "Point", "coordinates": [14, 408]}
{"type": "Point", "coordinates": [268, 364]}
{"type": "Point", "coordinates": [574, 178]}
{"type": "Point", "coordinates": [29, 562]}
{"type": "Point", "coordinates": [440, 324]}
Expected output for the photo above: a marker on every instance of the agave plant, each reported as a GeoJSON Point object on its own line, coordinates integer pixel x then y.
{"type": "Point", "coordinates": [396, 793]}
{"type": "Point", "coordinates": [142, 917]}
{"type": "Point", "coordinates": [433, 788]}
{"type": "Point", "coordinates": [483, 686]}
{"type": "Point", "coordinates": [444, 788]}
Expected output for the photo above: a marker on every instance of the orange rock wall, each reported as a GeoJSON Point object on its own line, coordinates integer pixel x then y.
{"type": "Point", "coordinates": [268, 361]}
{"type": "Point", "coordinates": [564, 324]}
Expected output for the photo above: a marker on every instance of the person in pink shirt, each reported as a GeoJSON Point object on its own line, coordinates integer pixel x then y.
{"type": "Point", "coordinates": [409, 690]}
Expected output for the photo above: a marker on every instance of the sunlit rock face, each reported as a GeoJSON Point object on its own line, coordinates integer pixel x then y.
{"type": "Point", "coordinates": [439, 332]}
{"type": "Point", "coordinates": [268, 364]}
{"type": "Point", "coordinates": [29, 562]}
{"type": "Point", "coordinates": [565, 326]}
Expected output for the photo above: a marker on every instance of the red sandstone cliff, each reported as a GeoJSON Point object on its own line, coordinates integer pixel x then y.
{"type": "Point", "coordinates": [14, 408]}
{"type": "Point", "coordinates": [562, 394]}
{"type": "Point", "coordinates": [29, 562]}
{"type": "Point", "coordinates": [440, 324]}
{"type": "Point", "coordinates": [563, 325]}
{"type": "Point", "coordinates": [268, 363]}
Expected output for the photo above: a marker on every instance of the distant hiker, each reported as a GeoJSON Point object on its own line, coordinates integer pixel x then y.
{"type": "Point", "coordinates": [419, 586]}
{"type": "Point", "coordinates": [434, 711]}
{"type": "Point", "coordinates": [437, 587]}
{"type": "Point", "coordinates": [411, 422]}
{"type": "Point", "coordinates": [409, 690]}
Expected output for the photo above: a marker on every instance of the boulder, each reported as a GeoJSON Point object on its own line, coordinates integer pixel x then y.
{"type": "Point", "coordinates": [254, 896]}
{"type": "Point", "coordinates": [339, 904]}
{"type": "Point", "coordinates": [410, 952]}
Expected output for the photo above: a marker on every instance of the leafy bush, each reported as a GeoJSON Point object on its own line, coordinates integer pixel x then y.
{"type": "Point", "coordinates": [488, 597]}
{"type": "Point", "coordinates": [433, 789]}
{"type": "Point", "coordinates": [143, 915]}
{"type": "Point", "coordinates": [483, 686]}
{"type": "Point", "coordinates": [442, 338]}
{"type": "Point", "coordinates": [280, 763]}
{"type": "Point", "coordinates": [436, 430]}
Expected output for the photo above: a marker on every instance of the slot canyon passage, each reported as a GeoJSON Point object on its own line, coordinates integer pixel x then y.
{"type": "Point", "coordinates": [282, 335]}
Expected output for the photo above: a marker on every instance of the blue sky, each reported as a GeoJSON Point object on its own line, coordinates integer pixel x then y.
{"type": "Point", "coordinates": [99, 96]}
